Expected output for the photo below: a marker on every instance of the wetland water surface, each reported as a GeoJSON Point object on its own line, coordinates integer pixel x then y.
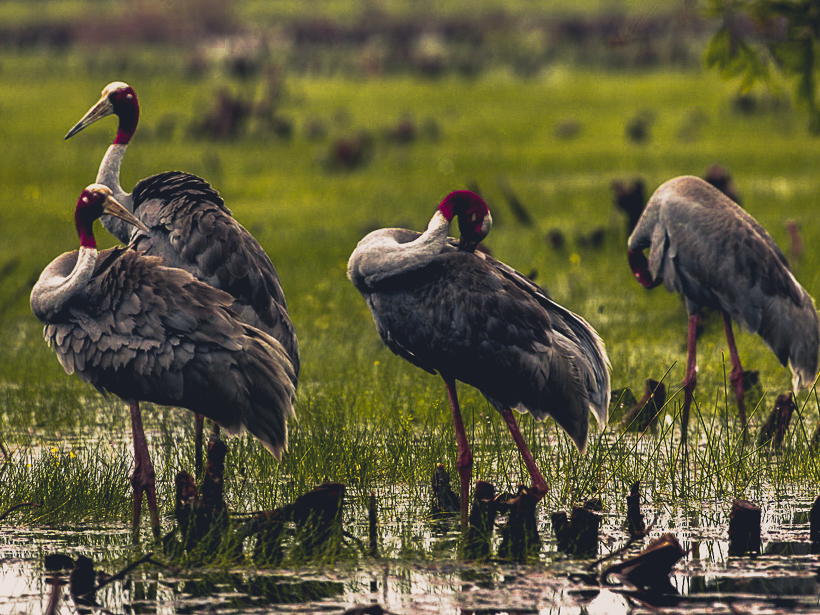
{"type": "Point", "coordinates": [784, 579]}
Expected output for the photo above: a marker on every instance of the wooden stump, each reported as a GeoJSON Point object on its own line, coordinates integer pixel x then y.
{"type": "Point", "coordinates": [650, 569]}
{"type": "Point", "coordinates": [774, 428]}
{"type": "Point", "coordinates": [81, 581]}
{"type": "Point", "coordinates": [635, 524]}
{"type": "Point", "coordinates": [578, 535]}
{"type": "Point", "coordinates": [202, 522]}
{"type": "Point", "coordinates": [519, 536]}
{"type": "Point", "coordinates": [444, 501]}
{"type": "Point", "coordinates": [317, 516]}
{"type": "Point", "coordinates": [744, 528]}
{"type": "Point", "coordinates": [372, 530]}
{"type": "Point", "coordinates": [814, 524]}
{"type": "Point", "coordinates": [478, 541]}
{"type": "Point", "coordinates": [647, 408]}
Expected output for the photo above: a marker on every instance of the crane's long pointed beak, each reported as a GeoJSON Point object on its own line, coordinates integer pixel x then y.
{"type": "Point", "coordinates": [101, 109]}
{"type": "Point", "coordinates": [112, 207]}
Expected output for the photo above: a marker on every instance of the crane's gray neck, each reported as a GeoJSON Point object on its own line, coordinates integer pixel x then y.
{"type": "Point", "coordinates": [54, 289]}
{"type": "Point", "coordinates": [109, 175]}
{"type": "Point", "coordinates": [380, 255]}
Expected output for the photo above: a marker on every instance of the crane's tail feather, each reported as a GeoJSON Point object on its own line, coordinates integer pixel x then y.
{"type": "Point", "coordinates": [593, 363]}
{"type": "Point", "coordinates": [255, 391]}
{"type": "Point", "coordinates": [793, 334]}
{"type": "Point", "coordinates": [271, 393]}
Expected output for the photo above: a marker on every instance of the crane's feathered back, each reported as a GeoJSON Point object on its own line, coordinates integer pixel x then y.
{"type": "Point", "coordinates": [713, 253]}
{"type": "Point", "coordinates": [474, 319]}
{"type": "Point", "coordinates": [192, 229]}
{"type": "Point", "coordinates": [148, 332]}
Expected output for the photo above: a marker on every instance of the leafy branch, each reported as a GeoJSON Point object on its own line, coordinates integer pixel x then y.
{"type": "Point", "coordinates": [759, 37]}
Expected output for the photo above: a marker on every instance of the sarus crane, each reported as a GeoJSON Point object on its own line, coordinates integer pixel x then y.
{"type": "Point", "coordinates": [447, 308]}
{"type": "Point", "coordinates": [131, 326]}
{"type": "Point", "coordinates": [715, 255]}
{"type": "Point", "coordinates": [190, 227]}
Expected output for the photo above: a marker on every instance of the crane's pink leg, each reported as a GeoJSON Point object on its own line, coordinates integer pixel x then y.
{"type": "Point", "coordinates": [539, 485]}
{"type": "Point", "coordinates": [465, 456]}
{"type": "Point", "coordinates": [691, 377]}
{"type": "Point", "coordinates": [736, 377]}
{"type": "Point", "coordinates": [143, 480]}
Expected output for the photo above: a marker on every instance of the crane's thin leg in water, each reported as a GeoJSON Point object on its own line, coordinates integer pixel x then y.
{"type": "Point", "coordinates": [198, 425]}
{"type": "Point", "coordinates": [539, 485]}
{"type": "Point", "coordinates": [465, 456]}
{"type": "Point", "coordinates": [143, 480]}
{"type": "Point", "coordinates": [691, 377]}
{"type": "Point", "coordinates": [736, 378]}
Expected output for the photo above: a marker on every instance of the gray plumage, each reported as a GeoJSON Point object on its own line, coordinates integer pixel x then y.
{"type": "Point", "coordinates": [472, 318]}
{"type": "Point", "coordinates": [146, 332]}
{"type": "Point", "coordinates": [709, 250]}
{"type": "Point", "coordinates": [190, 227]}
{"type": "Point", "coordinates": [449, 309]}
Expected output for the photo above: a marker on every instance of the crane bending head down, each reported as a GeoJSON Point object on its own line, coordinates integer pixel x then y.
{"type": "Point", "coordinates": [449, 309]}
{"type": "Point", "coordinates": [474, 219]}
{"type": "Point", "coordinates": [709, 250]}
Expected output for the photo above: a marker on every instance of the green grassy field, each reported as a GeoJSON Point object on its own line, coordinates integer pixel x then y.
{"type": "Point", "coordinates": [367, 418]}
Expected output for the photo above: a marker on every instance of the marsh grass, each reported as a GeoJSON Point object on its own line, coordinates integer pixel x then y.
{"type": "Point", "coordinates": [69, 485]}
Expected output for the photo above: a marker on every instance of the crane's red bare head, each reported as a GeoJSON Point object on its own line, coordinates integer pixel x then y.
{"type": "Point", "coordinates": [97, 201]}
{"type": "Point", "coordinates": [474, 219]}
{"type": "Point", "coordinates": [640, 269]}
{"type": "Point", "coordinates": [118, 99]}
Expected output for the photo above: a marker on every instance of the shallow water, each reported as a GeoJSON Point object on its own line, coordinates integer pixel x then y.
{"type": "Point", "coordinates": [428, 578]}
{"type": "Point", "coordinates": [419, 572]}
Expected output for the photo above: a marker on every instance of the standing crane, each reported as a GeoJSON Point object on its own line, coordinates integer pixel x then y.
{"type": "Point", "coordinates": [710, 251]}
{"type": "Point", "coordinates": [447, 308]}
{"type": "Point", "coordinates": [190, 227]}
{"type": "Point", "coordinates": [133, 327]}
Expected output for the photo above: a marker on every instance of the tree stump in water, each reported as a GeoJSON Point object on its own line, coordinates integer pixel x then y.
{"type": "Point", "coordinates": [478, 541]}
{"type": "Point", "coordinates": [650, 569]}
{"type": "Point", "coordinates": [646, 409]}
{"type": "Point", "coordinates": [81, 582]}
{"type": "Point", "coordinates": [372, 530]}
{"type": "Point", "coordinates": [774, 428]}
{"type": "Point", "coordinates": [317, 516]}
{"type": "Point", "coordinates": [744, 528]}
{"type": "Point", "coordinates": [203, 522]}
{"type": "Point", "coordinates": [814, 524]}
{"type": "Point", "coordinates": [635, 524]}
{"type": "Point", "coordinates": [445, 501]}
{"type": "Point", "coordinates": [206, 530]}
{"type": "Point", "coordinates": [578, 535]}
{"type": "Point", "coordinates": [519, 536]}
